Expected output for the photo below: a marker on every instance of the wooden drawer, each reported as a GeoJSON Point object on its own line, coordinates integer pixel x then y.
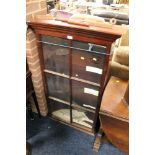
{"type": "Point", "coordinates": [84, 95]}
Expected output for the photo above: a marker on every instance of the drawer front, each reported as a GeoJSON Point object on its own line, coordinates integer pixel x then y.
{"type": "Point", "coordinates": [83, 118]}
{"type": "Point", "coordinates": [60, 111]}
{"type": "Point", "coordinates": [58, 87]}
{"type": "Point", "coordinates": [84, 95]}
{"type": "Point", "coordinates": [86, 63]}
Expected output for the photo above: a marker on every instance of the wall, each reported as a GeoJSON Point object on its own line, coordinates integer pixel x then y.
{"type": "Point", "coordinates": [35, 7]}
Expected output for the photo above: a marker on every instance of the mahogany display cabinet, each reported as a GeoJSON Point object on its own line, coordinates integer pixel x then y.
{"type": "Point", "coordinates": [74, 61]}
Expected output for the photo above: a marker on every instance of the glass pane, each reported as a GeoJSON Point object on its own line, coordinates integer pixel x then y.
{"type": "Point", "coordinates": [83, 118]}
{"type": "Point", "coordinates": [54, 40]}
{"type": "Point", "coordinates": [60, 111]}
{"type": "Point", "coordinates": [84, 95]}
{"type": "Point", "coordinates": [87, 66]}
{"type": "Point", "coordinates": [56, 58]}
{"type": "Point", "coordinates": [58, 87]}
{"type": "Point", "coordinates": [81, 45]}
{"type": "Point", "coordinates": [98, 48]}
{"type": "Point", "coordinates": [89, 46]}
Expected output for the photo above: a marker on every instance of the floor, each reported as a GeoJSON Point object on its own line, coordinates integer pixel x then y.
{"type": "Point", "coordinates": [48, 137]}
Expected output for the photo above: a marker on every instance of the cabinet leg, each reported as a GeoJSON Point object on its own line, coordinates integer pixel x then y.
{"type": "Point", "coordinates": [36, 103]}
{"type": "Point", "coordinates": [98, 141]}
{"type": "Point", "coordinates": [28, 148]}
{"type": "Point", "coordinates": [29, 109]}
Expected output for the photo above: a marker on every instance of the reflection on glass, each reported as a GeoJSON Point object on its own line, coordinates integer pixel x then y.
{"type": "Point", "coordinates": [56, 58]}
{"type": "Point", "coordinates": [83, 118]}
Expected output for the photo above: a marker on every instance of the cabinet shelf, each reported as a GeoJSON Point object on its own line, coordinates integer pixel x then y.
{"type": "Point", "coordinates": [83, 108]}
{"type": "Point", "coordinates": [72, 78]}
{"type": "Point", "coordinates": [59, 100]}
{"type": "Point", "coordinates": [85, 81]}
{"type": "Point", "coordinates": [73, 105]}
{"type": "Point", "coordinates": [56, 73]}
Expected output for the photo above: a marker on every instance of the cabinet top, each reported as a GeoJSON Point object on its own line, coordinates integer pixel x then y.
{"type": "Point", "coordinates": [113, 32]}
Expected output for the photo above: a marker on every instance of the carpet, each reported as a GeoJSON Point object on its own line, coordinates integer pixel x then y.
{"type": "Point", "coordinates": [49, 137]}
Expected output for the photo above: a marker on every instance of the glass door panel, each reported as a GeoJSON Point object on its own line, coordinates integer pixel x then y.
{"type": "Point", "coordinates": [86, 64]}
{"type": "Point", "coordinates": [54, 40]}
{"type": "Point", "coordinates": [84, 95]}
{"type": "Point", "coordinates": [58, 87]}
{"type": "Point", "coordinates": [60, 111]}
{"type": "Point", "coordinates": [56, 55]}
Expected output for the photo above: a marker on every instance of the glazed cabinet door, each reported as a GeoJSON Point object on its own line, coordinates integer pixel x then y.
{"type": "Point", "coordinates": [73, 72]}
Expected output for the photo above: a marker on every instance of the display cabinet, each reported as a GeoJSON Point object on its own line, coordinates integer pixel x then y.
{"type": "Point", "coordinates": [74, 61]}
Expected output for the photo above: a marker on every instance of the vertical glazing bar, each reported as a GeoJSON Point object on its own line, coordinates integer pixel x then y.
{"type": "Point", "coordinates": [70, 81]}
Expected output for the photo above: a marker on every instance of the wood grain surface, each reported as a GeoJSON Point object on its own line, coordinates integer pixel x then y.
{"type": "Point", "coordinates": [114, 114]}
{"type": "Point", "coordinates": [112, 103]}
